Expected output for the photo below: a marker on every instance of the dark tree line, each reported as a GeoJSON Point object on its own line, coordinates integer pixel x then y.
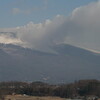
{"type": "Point", "coordinates": [78, 88]}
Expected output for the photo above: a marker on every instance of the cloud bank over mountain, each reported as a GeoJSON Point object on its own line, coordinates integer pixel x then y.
{"type": "Point", "coordinates": [80, 28]}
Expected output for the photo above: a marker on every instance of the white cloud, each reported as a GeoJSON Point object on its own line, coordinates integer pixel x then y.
{"type": "Point", "coordinates": [42, 35]}
{"type": "Point", "coordinates": [85, 22]}
{"type": "Point", "coordinates": [7, 39]}
{"type": "Point", "coordinates": [16, 11]}
{"type": "Point", "coordinates": [45, 4]}
{"type": "Point", "coordinates": [81, 28]}
{"type": "Point", "coordinates": [29, 10]}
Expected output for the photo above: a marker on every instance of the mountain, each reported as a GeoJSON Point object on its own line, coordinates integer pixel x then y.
{"type": "Point", "coordinates": [67, 64]}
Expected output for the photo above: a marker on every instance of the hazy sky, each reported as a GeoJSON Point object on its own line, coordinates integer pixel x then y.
{"type": "Point", "coordinates": [19, 12]}
{"type": "Point", "coordinates": [40, 24]}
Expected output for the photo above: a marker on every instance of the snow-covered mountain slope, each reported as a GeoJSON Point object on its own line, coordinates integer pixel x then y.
{"type": "Point", "coordinates": [69, 63]}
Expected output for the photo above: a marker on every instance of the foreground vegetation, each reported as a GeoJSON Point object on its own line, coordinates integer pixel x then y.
{"type": "Point", "coordinates": [77, 89]}
{"type": "Point", "coordinates": [20, 97]}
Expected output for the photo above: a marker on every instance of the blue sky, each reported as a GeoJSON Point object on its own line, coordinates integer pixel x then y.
{"type": "Point", "coordinates": [20, 12]}
{"type": "Point", "coordinates": [36, 24]}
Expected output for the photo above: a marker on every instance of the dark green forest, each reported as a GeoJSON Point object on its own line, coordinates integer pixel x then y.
{"type": "Point", "coordinates": [77, 89]}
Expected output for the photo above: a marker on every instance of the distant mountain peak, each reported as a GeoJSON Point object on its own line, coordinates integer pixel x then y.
{"type": "Point", "coordinates": [68, 64]}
